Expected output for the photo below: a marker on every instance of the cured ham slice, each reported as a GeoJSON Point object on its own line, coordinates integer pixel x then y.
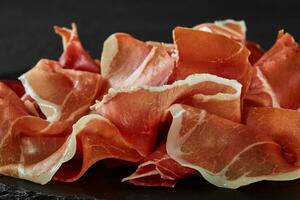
{"type": "Point", "coordinates": [170, 48]}
{"type": "Point", "coordinates": [235, 30]}
{"type": "Point", "coordinates": [205, 52]}
{"type": "Point", "coordinates": [138, 112]}
{"type": "Point", "coordinates": [61, 94]}
{"type": "Point", "coordinates": [256, 51]}
{"type": "Point", "coordinates": [74, 55]}
{"type": "Point", "coordinates": [127, 62]}
{"type": "Point", "coordinates": [282, 125]}
{"type": "Point", "coordinates": [158, 169]}
{"type": "Point", "coordinates": [279, 64]}
{"type": "Point", "coordinates": [97, 139]}
{"type": "Point", "coordinates": [31, 148]}
{"type": "Point", "coordinates": [227, 154]}
{"type": "Point", "coordinates": [15, 85]}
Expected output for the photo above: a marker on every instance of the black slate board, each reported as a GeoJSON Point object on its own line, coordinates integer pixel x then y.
{"type": "Point", "coordinates": [101, 183]}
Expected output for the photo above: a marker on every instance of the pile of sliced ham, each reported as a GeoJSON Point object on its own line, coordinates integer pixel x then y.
{"type": "Point", "coordinates": [211, 104]}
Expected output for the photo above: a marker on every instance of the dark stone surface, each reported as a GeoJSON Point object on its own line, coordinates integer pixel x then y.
{"type": "Point", "coordinates": [12, 192]}
{"type": "Point", "coordinates": [101, 183]}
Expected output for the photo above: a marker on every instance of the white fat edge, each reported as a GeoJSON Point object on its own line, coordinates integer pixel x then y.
{"type": "Point", "coordinates": [221, 96]}
{"type": "Point", "coordinates": [267, 87]}
{"type": "Point", "coordinates": [219, 179]}
{"type": "Point", "coordinates": [150, 173]}
{"type": "Point", "coordinates": [204, 28]}
{"type": "Point", "coordinates": [139, 70]}
{"type": "Point", "coordinates": [190, 81]}
{"type": "Point", "coordinates": [69, 151]}
{"type": "Point", "coordinates": [240, 23]}
{"type": "Point", "coordinates": [51, 111]}
{"type": "Point", "coordinates": [110, 50]}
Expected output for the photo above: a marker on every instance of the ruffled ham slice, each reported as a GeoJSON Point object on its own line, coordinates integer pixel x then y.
{"type": "Point", "coordinates": [16, 86]}
{"type": "Point", "coordinates": [256, 51]}
{"type": "Point", "coordinates": [31, 148]}
{"type": "Point", "coordinates": [227, 154]}
{"type": "Point", "coordinates": [276, 76]}
{"type": "Point", "coordinates": [233, 29]}
{"type": "Point", "coordinates": [158, 169]}
{"type": "Point", "coordinates": [206, 52]}
{"type": "Point", "coordinates": [127, 62]}
{"type": "Point", "coordinates": [74, 55]}
{"type": "Point", "coordinates": [62, 94]}
{"type": "Point", "coordinates": [282, 125]}
{"type": "Point", "coordinates": [138, 112]}
{"type": "Point", "coordinates": [97, 139]}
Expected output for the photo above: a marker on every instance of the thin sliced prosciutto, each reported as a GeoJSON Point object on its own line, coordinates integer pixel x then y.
{"type": "Point", "coordinates": [74, 55]}
{"type": "Point", "coordinates": [139, 111]}
{"type": "Point", "coordinates": [61, 94]}
{"type": "Point", "coordinates": [206, 52]}
{"type": "Point", "coordinates": [256, 51]}
{"type": "Point", "coordinates": [16, 86]}
{"type": "Point", "coordinates": [127, 62]}
{"type": "Point", "coordinates": [227, 154]}
{"type": "Point", "coordinates": [277, 76]}
{"type": "Point", "coordinates": [282, 125]}
{"type": "Point", "coordinates": [158, 169]}
{"type": "Point", "coordinates": [31, 148]}
{"type": "Point", "coordinates": [235, 30]}
{"type": "Point", "coordinates": [97, 139]}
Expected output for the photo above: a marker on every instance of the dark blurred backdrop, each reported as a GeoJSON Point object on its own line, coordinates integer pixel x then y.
{"type": "Point", "coordinates": [26, 27]}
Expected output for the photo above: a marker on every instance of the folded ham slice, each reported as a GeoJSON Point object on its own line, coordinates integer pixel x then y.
{"type": "Point", "coordinates": [276, 76]}
{"type": "Point", "coordinates": [138, 112]}
{"type": "Point", "coordinates": [16, 86]}
{"type": "Point", "coordinates": [233, 29]}
{"type": "Point", "coordinates": [227, 154]}
{"type": "Point", "coordinates": [282, 125]}
{"type": "Point", "coordinates": [31, 148]}
{"type": "Point", "coordinates": [206, 52]}
{"type": "Point", "coordinates": [61, 94]}
{"type": "Point", "coordinates": [127, 62]}
{"type": "Point", "coordinates": [97, 139]}
{"type": "Point", "coordinates": [256, 51]}
{"type": "Point", "coordinates": [74, 55]}
{"type": "Point", "coordinates": [158, 169]}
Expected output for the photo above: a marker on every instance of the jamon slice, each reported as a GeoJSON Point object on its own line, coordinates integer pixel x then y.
{"type": "Point", "coordinates": [277, 76]}
{"type": "Point", "coordinates": [205, 52]}
{"type": "Point", "coordinates": [256, 51]}
{"type": "Point", "coordinates": [158, 169]}
{"type": "Point", "coordinates": [74, 55]}
{"type": "Point", "coordinates": [138, 112]}
{"type": "Point", "coordinates": [97, 139]}
{"type": "Point", "coordinates": [227, 154]}
{"type": "Point", "coordinates": [31, 148]}
{"type": "Point", "coordinates": [127, 62]}
{"type": "Point", "coordinates": [282, 125]}
{"type": "Point", "coordinates": [61, 93]}
{"type": "Point", "coordinates": [235, 30]}
{"type": "Point", "coordinates": [16, 86]}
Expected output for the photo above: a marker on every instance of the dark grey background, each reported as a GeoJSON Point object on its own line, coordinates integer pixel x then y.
{"type": "Point", "coordinates": [26, 32]}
